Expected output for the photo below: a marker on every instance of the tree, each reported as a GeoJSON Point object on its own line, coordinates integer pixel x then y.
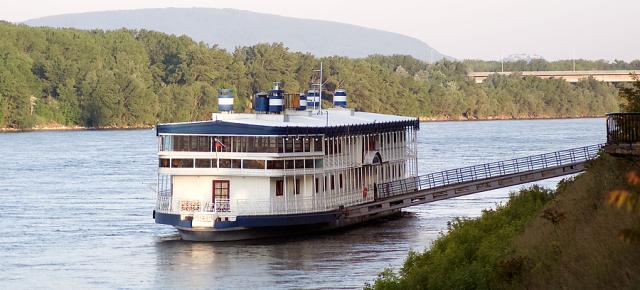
{"type": "Point", "coordinates": [631, 95]}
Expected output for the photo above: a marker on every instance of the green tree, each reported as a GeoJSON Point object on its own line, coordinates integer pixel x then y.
{"type": "Point", "coordinates": [632, 96]}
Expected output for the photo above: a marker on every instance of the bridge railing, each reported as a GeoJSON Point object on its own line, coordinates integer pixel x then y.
{"type": "Point", "coordinates": [486, 171]}
{"type": "Point", "coordinates": [623, 128]}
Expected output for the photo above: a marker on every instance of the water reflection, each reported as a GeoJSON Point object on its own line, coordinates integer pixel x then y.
{"type": "Point", "coordinates": [295, 262]}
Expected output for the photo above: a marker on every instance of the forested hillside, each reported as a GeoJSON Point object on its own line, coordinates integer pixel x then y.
{"type": "Point", "coordinates": [51, 77]}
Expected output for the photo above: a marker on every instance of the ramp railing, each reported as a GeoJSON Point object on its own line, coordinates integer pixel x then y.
{"type": "Point", "coordinates": [487, 171]}
{"type": "Point", "coordinates": [623, 128]}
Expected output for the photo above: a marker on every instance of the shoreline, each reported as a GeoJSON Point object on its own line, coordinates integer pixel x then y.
{"type": "Point", "coordinates": [73, 128]}
{"type": "Point", "coordinates": [421, 119]}
{"type": "Point", "coordinates": [437, 119]}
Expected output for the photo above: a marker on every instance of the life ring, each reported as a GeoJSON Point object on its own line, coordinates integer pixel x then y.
{"type": "Point", "coordinates": [365, 192]}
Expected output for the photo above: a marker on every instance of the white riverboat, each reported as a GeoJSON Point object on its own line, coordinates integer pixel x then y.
{"type": "Point", "coordinates": [289, 167]}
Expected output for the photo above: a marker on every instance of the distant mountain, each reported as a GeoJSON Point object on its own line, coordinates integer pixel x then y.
{"type": "Point", "coordinates": [229, 28]}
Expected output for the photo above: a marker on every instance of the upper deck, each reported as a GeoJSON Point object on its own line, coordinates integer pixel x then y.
{"type": "Point", "coordinates": [329, 122]}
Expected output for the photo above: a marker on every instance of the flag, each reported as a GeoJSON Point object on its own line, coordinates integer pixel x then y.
{"type": "Point", "coordinates": [218, 144]}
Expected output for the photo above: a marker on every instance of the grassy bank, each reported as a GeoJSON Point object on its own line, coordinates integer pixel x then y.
{"type": "Point", "coordinates": [541, 239]}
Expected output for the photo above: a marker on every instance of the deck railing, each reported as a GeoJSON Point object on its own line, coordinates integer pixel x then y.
{"type": "Point", "coordinates": [623, 128]}
{"type": "Point", "coordinates": [485, 171]}
{"type": "Point", "coordinates": [276, 205]}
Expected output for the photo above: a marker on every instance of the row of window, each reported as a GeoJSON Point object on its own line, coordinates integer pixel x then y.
{"type": "Point", "coordinates": [338, 180]}
{"type": "Point", "coordinates": [253, 144]}
{"type": "Point", "coordinates": [240, 163]}
{"type": "Point", "coordinates": [249, 144]}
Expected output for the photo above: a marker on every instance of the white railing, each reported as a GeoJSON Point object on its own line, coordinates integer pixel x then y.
{"type": "Point", "coordinates": [273, 206]}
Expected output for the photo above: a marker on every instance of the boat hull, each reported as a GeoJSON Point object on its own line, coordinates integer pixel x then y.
{"type": "Point", "coordinates": [260, 227]}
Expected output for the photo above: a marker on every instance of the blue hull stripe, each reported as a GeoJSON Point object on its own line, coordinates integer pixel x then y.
{"type": "Point", "coordinates": [255, 221]}
{"type": "Point", "coordinates": [277, 220]}
{"type": "Point", "coordinates": [171, 219]}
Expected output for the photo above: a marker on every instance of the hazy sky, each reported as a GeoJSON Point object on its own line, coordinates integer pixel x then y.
{"type": "Point", "coordinates": [488, 29]}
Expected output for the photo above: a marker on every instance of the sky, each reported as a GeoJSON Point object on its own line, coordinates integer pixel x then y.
{"type": "Point", "coordinates": [486, 29]}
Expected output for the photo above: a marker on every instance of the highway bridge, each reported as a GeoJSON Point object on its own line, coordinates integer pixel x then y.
{"type": "Point", "coordinates": [609, 76]}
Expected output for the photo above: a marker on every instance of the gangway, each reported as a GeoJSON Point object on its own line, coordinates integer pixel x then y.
{"type": "Point", "coordinates": [473, 179]}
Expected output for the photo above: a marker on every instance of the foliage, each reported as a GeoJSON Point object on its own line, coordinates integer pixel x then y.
{"type": "Point", "coordinates": [627, 198]}
{"type": "Point", "coordinates": [475, 253]}
{"type": "Point", "coordinates": [631, 94]}
{"type": "Point", "coordinates": [543, 65]}
{"type": "Point", "coordinates": [134, 78]}
{"type": "Point", "coordinates": [540, 239]}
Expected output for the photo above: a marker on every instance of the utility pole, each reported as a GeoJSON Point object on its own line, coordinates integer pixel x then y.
{"type": "Point", "coordinates": [574, 58]}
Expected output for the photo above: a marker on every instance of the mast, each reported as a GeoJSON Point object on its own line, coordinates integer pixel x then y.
{"type": "Point", "coordinates": [320, 103]}
{"type": "Point", "coordinates": [319, 85]}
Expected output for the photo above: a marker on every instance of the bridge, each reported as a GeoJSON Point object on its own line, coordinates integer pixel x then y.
{"type": "Point", "coordinates": [609, 76]}
{"type": "Point", "coordinates": [473, 179]}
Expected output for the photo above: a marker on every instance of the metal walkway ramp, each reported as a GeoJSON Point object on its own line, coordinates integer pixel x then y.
{"type": "Point", "coordinates": [473, 179]}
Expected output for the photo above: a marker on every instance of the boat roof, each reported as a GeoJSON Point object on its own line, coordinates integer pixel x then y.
{"type": "Point", "coordinates": [335, 121]}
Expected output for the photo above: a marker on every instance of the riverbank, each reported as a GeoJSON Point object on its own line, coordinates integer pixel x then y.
{"type": "Point", "coordinates": [501, 118]}
{"type": "Point", "coordinates": [568, 238]}
{"type": "Point", "coordinates": [73, 128]}
{"type": "Point", "coordinates": [422, 119]}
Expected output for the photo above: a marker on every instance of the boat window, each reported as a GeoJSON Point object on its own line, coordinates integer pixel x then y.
{"type": "Point", "coordinates": [225, 163]}
{"type": "Point", "coordinates": [221, 144]}
{"type": "Point", "coordinates": [238, 163]}
{"type": "Point", "coordinates": [187, 143]}
{"type": "Point", "coordinates": [182, 163]}
{"type": "Point", "coordinates": [333, 146]}
{"type": "Point", "coordinates": [275, 164]}
{"type": "Point", "coordinates": [306, 144]}
{"type": "Point", "coordinates": [297, 187]}
{"type": "Point", "coordinates": [164, 162]}
{"type": "Point", "coordinates": [253, 164]}
{"type": "Point", "coordinates": [317, 144]}
{"type": "Point", "coordinates": [341, 180]}
{"type": "Point", "coordinates": [372, 143]}
{"type": "Point", "coordinates": [298, 144]}
{"type": "Point", "coordinates": [240, 144]}
{"type": "Point", "coordinates": [308, 163]}
{"type": "Point", "coordinates": [166, 143]}
{"type": "Point", "coordinates": [333, 184]}
{"type": "Point", "coordinates": [317, 185]}
{"type": "Point", "coordinates": [203, 163]}
{"type": "Point", "coordinates": [279, 191]}
{"type": "Point", "coordinates": [289, 144]}
{"type": "Point", "coordinates": [288, 164]}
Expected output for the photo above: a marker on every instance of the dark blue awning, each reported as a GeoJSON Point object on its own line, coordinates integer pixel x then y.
{"type": "Point", "coordinates": [230, 128]}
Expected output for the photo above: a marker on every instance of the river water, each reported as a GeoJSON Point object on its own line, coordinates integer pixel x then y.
{"type": "Point", "coordinates": [75, 212]}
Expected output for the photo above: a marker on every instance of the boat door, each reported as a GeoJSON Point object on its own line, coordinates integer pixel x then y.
{"type": "Point", "coordinates": [220, 195]}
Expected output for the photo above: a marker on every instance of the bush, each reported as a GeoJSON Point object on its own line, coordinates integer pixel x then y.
{"type": "Point", "coordinates": [474, 253]}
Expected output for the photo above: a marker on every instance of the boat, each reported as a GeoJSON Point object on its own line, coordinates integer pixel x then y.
{"type": "Point", "coordinates": [289, 167]}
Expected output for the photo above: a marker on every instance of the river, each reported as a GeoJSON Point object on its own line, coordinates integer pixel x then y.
{"type": "Point", "coordinates": [75, 212]}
